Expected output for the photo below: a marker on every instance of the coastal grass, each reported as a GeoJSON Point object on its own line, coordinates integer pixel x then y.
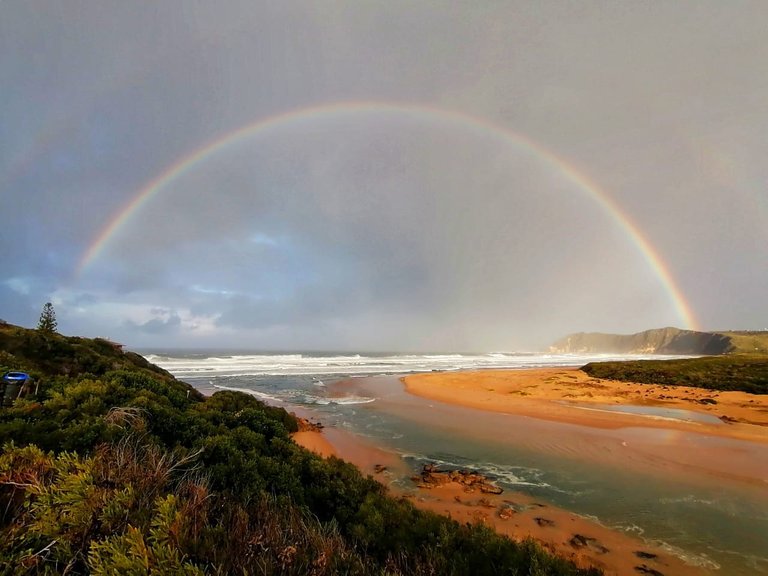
{"type": "Point", "coordinates": [116, 467]}
{"type": "Point", "coordinates": [748, 342]}
{"type": "Point", "coordinates": [738, 372]}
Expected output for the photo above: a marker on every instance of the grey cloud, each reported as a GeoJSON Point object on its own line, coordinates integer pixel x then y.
{"type": "Point", "coordinates": [159, 326]}
{"type": "Point", "coordinates": [382, 227]}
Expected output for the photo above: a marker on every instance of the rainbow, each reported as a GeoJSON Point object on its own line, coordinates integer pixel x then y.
{"type": "Point", "coordinates": [460, 119]}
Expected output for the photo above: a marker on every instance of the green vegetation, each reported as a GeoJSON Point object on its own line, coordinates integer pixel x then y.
{"type": "Point", "coordinates": [748, 342]}
{"type": "Point", "coordinates": [115, 468]}
{"type": "Point", "coordinates": [747, 373]}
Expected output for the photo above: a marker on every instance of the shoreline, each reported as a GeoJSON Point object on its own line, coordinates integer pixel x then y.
{"type": "Point", "coordinates": [728, 448]}
{"type": "Point", "coordinates": [568, 395]}
{"type": "Point", "coordinates": [564, 533]}
{"type": "Point", "coordinates": [517, 515]}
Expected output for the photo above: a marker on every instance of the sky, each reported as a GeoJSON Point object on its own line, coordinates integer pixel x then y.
{"type": "Point", "coordinates": [391, 176]}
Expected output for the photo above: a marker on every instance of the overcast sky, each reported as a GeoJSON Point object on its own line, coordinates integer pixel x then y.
{"type": "Point", "coordinates": [383, 227]}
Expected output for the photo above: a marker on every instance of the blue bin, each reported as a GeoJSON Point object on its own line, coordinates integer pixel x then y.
{"type": "Point", "coordinates": [13, 385]}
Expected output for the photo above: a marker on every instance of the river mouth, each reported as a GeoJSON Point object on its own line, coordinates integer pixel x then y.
{"type": "Point", "coordinates": [704, 498]}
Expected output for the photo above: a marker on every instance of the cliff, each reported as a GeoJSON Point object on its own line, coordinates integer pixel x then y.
{"type": "Point", "coordinates": [656, 341]}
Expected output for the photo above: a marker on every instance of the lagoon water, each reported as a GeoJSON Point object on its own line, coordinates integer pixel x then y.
{"type": "Point", "coordinates": [716, 523]}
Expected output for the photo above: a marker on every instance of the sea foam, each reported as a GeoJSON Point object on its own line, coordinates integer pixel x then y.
{"type": "Point", "coordinates": [190, 365]}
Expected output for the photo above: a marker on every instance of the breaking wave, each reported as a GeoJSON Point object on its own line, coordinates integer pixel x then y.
{"type": "Point", "coordinates": [200, 364]}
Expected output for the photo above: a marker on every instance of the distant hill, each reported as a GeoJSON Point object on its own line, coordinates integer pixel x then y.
{"type": "Point", "coordinates": [663, 341]}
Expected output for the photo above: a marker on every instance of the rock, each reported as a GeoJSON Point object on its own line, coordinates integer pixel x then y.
{"type": "Point", "coordinates": [579, 541]}
{"type": "Point", "coordinates": [379, 468]}
{"type": "Point", "coordinates": [431, 476]}
{"type": "Point", "coordinates": [307, 426]}
{"type": "Point", "coordinates": [506, 513]}
{"type": "Point", "coordinates": [646, 570]}
{"type": "Point", "coordinates": [544, 522]}
{"type": "Point", "coordinates": [645, 555]}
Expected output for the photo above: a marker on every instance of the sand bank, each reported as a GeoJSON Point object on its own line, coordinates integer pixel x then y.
{"type": "Point", "coordinates": [572, 396]}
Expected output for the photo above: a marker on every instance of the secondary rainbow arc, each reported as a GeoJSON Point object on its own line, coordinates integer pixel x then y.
{"type": "Point", "coordinates": [578, 178]}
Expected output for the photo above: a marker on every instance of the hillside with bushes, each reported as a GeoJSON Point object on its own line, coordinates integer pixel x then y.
{"type": "Point", "coordinates": [115, 467]}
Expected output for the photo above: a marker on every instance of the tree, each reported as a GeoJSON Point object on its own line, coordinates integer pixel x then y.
{"type": "Point", "coordinates": [47, 323]}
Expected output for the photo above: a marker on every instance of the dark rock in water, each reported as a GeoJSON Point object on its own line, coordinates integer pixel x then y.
{"type": "Point", "coordinates": [544, 522]}
{"type": "Point", "coordinates": [379, 468]}
{"type": "Point", "coordinates": [645, 555]}
{"type": "Point", "coordinates": [646, 570]}
{"type": "Point", "coordinates": [430, 477]}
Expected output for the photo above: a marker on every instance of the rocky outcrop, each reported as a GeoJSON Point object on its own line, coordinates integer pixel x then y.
{"type": "Point", "coordinates": [431, 477]}
{"type": "Point", "coordinates": [307, 425]}
{"type": "Point", "coordinates": [657, 341]}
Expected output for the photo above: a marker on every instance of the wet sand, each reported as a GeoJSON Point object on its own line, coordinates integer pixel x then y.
{"type": "Point", "coordinates": [572, 396]}
{"type": "Point", "coordinates": [566, 534]}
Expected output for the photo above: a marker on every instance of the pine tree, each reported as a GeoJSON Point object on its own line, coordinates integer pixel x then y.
{"type": "Point", "coordinates": [47, 323]}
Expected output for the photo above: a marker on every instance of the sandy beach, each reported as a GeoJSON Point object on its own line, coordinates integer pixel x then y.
{"type": "Point", "coordinates": [314, 442]}
{"type": "Point", "coordinates": [572, 396]}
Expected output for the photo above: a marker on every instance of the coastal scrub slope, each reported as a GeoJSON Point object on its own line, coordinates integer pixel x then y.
{"type": "Point", "coordinates": [114, 466]}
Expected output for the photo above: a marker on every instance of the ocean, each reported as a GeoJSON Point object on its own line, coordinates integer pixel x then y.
{"type": "Point", "coordinates": [719, 525]}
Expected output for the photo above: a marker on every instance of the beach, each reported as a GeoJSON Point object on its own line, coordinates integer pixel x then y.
{"type": "Point", "coordinates": [627, 477]}
{"type": "Point", "coordinates": [568, 397]}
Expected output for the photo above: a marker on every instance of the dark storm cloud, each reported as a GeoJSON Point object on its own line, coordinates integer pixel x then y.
{"type": "Point", "coordinates": [343, 231]}
{"type": "Point", "coordinates": [168, 323]}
